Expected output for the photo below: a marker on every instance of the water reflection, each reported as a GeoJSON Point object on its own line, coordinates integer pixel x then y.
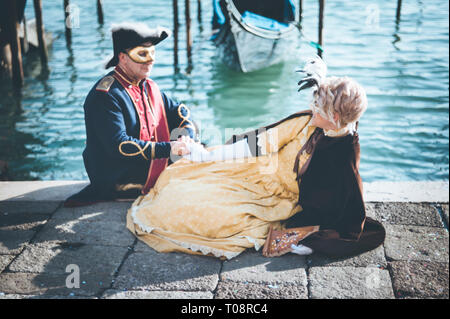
{"type": "Point", "coordinates": [238, 100]}
{"type": "Point", "coordinates": [396, 33]}
{"type": "Point", "coordinates": [70, 64]}
{"type": "Point", "coordinates": [12, 141]}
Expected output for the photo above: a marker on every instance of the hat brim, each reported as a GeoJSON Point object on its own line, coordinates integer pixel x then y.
{"type": "Point", "coordinates": [161, 35]}
{"type": "Point", "coordinates": [113, 62]}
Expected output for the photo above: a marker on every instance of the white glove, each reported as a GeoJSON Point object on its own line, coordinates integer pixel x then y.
{"type": "Point", "coordinates": [226, 152]}
{"type": "Point", "coordinates": [197, 153]}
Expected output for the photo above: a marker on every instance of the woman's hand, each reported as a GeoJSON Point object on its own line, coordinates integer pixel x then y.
{"type": "Point", "coordinates": [186, 139]}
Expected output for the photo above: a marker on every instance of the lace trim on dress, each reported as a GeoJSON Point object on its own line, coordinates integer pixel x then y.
{"type": "Point", "coordinates": [205, 250]}
{"type": "Point", "coordinates": [138, 222]}
{"type": "Point", "coordinates": [252, 241]}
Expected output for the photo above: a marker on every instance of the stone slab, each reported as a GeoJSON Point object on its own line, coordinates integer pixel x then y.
{"type": "Point", "coordinates": [58, 191]}
{"type": "Point", "coordinates": [88, 230]}
{"type": "Point", "coordinates": [251, 266]}
{"type": "Point", "coordinates": [415, 192]}
{"type": "Point", "coordinates": [28, 207]}
{"type": "Point", "coordinates": [143, 248]}
{"type": "Point", "coordinates": [373, 258]}
{"type": "Point", "coordinates": [444, 208]}
{"type": "Point", "coordinates": [418, 279]}
{"type": "Point", "coordinates": [168, 271]}
{"type": "Point", "coordinates": [46, 284]}
{"type": "Point", "coordinates": [15, 296]}
{"type": "Point", "coordinates": [36, 196]}
{"type": "Point", "coordinates": [22, 221]}
{"type": "Point", "coordinates": [248, 290]}
{"type": "Point", "coordinates": [350, 283]}
{"type": "Point", "coordinates": [5, 260]}
{"type": "Point", "coordinates": [54, 257]}
{"type": "Point", "coordinates": [39, 191]}
{"type": "Point", "coordinates": [103, 212]}
{"type": "Point", "coordinates": [12, 242]}
{"type": "Point", "coordinates": [117, 294]}
{"type": "Point", "coordinates": [416, 243]}
{"type": "Point", "coordinates": [418, 214]}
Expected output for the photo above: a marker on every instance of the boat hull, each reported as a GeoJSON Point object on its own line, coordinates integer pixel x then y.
{"type": "Point", "coordinates": [246, 49]}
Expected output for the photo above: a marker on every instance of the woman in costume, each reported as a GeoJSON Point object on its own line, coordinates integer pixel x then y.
{"type": "Point", "coordinates": [299, 192]}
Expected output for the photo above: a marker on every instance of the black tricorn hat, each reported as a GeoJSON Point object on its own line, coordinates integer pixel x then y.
{"type": "Point", "coordinates": [129, 35]}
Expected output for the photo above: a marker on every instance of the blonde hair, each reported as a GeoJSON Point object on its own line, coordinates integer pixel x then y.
{"type": "Point", "coordinates": [341, 95]}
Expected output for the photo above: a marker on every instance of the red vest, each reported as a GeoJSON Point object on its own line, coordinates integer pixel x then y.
{"type": "Point", "coordinates": [160, 131]}
{"type": "Point", "coordinates": [151, 112]}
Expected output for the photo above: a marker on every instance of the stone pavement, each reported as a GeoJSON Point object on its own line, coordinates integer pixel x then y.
{"type": "Point", "coordinates": [40, 242]}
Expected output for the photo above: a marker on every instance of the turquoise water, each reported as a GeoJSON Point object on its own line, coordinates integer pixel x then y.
{"type": "Point", "coordinates": [404, 67]}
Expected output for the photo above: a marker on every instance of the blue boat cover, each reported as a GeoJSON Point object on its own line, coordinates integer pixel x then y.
{"type": "Point", "coordinates": [262, 22]}
{"type": "Point", "coordinates": [266, 14]}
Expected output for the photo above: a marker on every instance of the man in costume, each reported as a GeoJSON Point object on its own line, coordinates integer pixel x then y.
{"type": "Point", "coordinates": [132, 128]}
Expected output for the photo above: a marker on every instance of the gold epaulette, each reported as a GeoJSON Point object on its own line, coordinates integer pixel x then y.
{"type": "Point", "coordinates": [105, 84]}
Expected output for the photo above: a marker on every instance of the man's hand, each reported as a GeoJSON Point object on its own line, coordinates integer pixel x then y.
{"type": "Point", "coordinates": [179, 148]}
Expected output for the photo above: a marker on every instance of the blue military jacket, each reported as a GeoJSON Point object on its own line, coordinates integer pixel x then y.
{"type": "Point", "coordinates": [111, 118]}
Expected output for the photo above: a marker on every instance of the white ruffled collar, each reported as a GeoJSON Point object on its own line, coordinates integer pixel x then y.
{"type": "Point", "coordinates": [350, 128]}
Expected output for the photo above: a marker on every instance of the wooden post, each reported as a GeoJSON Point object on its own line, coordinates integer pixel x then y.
{"type": "Point", "coordinates": [176, 25]}
{"type": "Point", "coordinates": [40, 32]}
{"type": "Point", "coordinates": [300, 10]}
{"type": "Point", "coordinates": [321, 10]}
{"type": "Point", "coordinates": [399, 9]}
{"type": "Point", "coordinates": [100, 11]}
{"type": "Point", "coordinates": [188, 28]}
{"type": "Point", "coordinates": [6, 56]}
{"type": "Point", "coordinates": [199, 11]}
{"type": "Point", "coordinates": [14, 43]}
{"type": "Point", "coordinates": [67, 27]}
{"type": "Point", "coordinates": [26, 46]}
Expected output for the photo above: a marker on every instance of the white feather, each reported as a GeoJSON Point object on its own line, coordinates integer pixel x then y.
{"type": "Point", "coordinates": [315, 67]}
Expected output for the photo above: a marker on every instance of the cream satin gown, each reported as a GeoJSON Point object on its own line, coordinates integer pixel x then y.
{"type": "Point", "coordinates": [221, 208]}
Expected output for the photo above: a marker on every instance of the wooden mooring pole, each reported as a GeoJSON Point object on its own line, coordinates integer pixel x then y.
{"type": "Point", "coordinates": [321, 11]}
{"type": "Point", "coordinates": [14, 44]}
{"type": "Point", "coordinates": [300, 10]}
{"type": "Point", "coordinates": [100, 12]}
{"type": "Point", "coordinates": [399, 9]}
{"type": "Point", "coordinates": [6, 56]}
{"type": "Point", "coordinates": [40, 32]}
{"type": "Point", "coordinates": [188, 29]}
{"type": "Point", "coordinates": [67, 23]}
{"type": "Point", "coordinates": [199, 11]}
{"type": "Point", "coordinates": [26, 45]}
{"type": "Point", "coordinates": [176, 26]}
